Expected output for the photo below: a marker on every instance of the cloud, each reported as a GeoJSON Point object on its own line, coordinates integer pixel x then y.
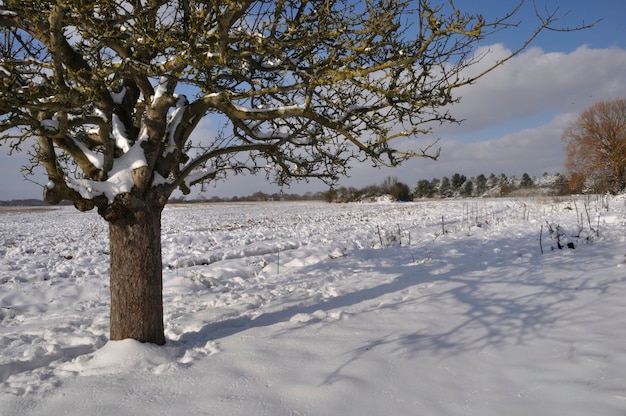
{"type": "Point", "coordinates": [535, 82]}
{"type": "Point", "coordinates": [533, 150]}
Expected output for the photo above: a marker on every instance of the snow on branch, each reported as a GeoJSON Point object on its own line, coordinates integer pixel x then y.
{"type": "Point", "coordinates": [119, 134]}
{"type": "Point", "coordinates": [120, 179]}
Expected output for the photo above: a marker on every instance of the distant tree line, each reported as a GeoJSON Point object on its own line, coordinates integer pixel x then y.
{"type": "Point", "coordinates": [455, 186]}
{"type": "Point", "coordinates": [23, 203]}
{"type": "Point", "coordinates": [390, 187]}
{"type": "Point", "coordinates": [255, 197]}
{"type": "Point", "coordinates": [459, 185]}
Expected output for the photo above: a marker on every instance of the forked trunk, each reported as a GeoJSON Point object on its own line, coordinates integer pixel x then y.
{"type": "Point", "coordinates": [137, 277]}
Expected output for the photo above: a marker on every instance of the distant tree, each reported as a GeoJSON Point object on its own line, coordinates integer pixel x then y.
{"type": "Point", "coordinates": [371, 191]}
{"type": "Point", "coordinates": [259, 196]}
{"type": "Point", "coordinates": [422, 189]}
{"type": "Point", "coordinates": [480, 185]}
{"type": "Point", "coordinates": [444, 187]}
{"type": "Point", "coordinates": [467, 188]}
{"type": "Point", "coordinates": [526, 181]}
{"type": "Point", "coordinates": [113, 90]}
{"type": "Point", "coordinates": [595, 147]}
{"type": "Point", "coordinates": [560, 184]}
{"type": "Point", "coordinates": [330, 195]}
{"type": "Point", "coordinates": [399, 191]}
{"type": "Point", "coordinates": [434, 187]}
{"type": "Point", "coordinates": [457, 181]}
{"type": "Point", "coordinates": [388, 183]}
{"type": "Point", "coordinates": [506, 184]}
{"type": "Point", "coordinates": [344, 194]}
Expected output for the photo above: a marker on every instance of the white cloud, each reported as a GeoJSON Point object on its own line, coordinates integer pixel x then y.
{"type": "Point", "coordinates": [533, 151]}
{"type": "Point", "coordinates": [536, 81]}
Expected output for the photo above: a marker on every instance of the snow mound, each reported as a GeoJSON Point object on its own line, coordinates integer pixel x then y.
{"type": "Point", "coordinates": [117, 357]}
{"type": "Point", "coordinates": [120, 357]}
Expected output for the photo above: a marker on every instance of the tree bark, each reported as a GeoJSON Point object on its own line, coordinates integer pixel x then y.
{"type": "Point", "coordinates": [137, 277]}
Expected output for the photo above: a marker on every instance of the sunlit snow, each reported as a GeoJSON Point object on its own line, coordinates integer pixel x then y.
{"type": "Point", "coordinates": [425, 308]}
{"type": "Point", "coordinates": [119, 134]}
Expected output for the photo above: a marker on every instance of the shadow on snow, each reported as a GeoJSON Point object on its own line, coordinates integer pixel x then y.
{"type": "Point", "coordinates": [511, 301]}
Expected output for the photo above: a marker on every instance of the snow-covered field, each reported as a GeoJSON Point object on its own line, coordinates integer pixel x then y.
{"type": "Point", "coordinates": [317, 309]}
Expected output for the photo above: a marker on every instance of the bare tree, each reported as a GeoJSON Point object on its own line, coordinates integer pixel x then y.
{"type": "Point", "coordinates": [112, 91]}
{"type": "Point", "coordinates": [595, 147]}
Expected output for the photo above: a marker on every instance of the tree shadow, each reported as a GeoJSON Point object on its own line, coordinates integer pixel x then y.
{"type": "Point", "coordinates": [228, 327]}
{"type": "Point", "coordinates": [512, 305]}
{"type": "Point", "coordinates": [532, 307]}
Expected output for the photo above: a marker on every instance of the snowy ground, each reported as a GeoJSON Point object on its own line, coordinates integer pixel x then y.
{"type": "Point", "coordinates": [317, 309]}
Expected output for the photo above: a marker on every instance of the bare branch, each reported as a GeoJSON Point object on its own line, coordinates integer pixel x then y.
{"type": "Point", "coordinates": [305, 87]}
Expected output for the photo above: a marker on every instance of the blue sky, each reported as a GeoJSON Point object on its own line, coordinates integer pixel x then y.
{"type": "Point", "coordinates": [514, 116]}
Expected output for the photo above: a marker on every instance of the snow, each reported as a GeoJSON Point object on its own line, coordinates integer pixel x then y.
{"type": "Point", "coordinates": [158, 179]}
{"type": "Point", "coordinates": [118, 97]}
{"type": "Point", "coordinates": [95, 158]}
{"type": "Point", "coordinates": [120, 178]}
{"type": "Point", "coordinates": [320, 309]}
{"type": "Point", "coordinates": [119, 134]}
{"type": "Point", "coordinates": [50, 124]}
{"type": "Point", "coordinates": [280, 110]}
{"type": "Point", "coordinates": [198, 174]}
{"type": "Point", "coordinates": [161, 89]}
{"type": "Point", "coordinates": [174, 120]}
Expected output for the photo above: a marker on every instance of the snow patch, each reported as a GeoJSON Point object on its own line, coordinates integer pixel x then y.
{"type": "Point", "coordinates": [119, 134]}
{"type": "Point", "coordinates": [95, 158]}
{"type": "Point", "coordinates": [174, 120]}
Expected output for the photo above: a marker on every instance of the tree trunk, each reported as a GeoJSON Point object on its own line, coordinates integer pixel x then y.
{"type": "Point", "coordinates": [137, 277]}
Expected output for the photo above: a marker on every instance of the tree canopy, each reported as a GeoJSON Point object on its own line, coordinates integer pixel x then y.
{"type": "Point", "coordinates": [113, 90]}
{"type": "Point", "coordinates": [595, 147]}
